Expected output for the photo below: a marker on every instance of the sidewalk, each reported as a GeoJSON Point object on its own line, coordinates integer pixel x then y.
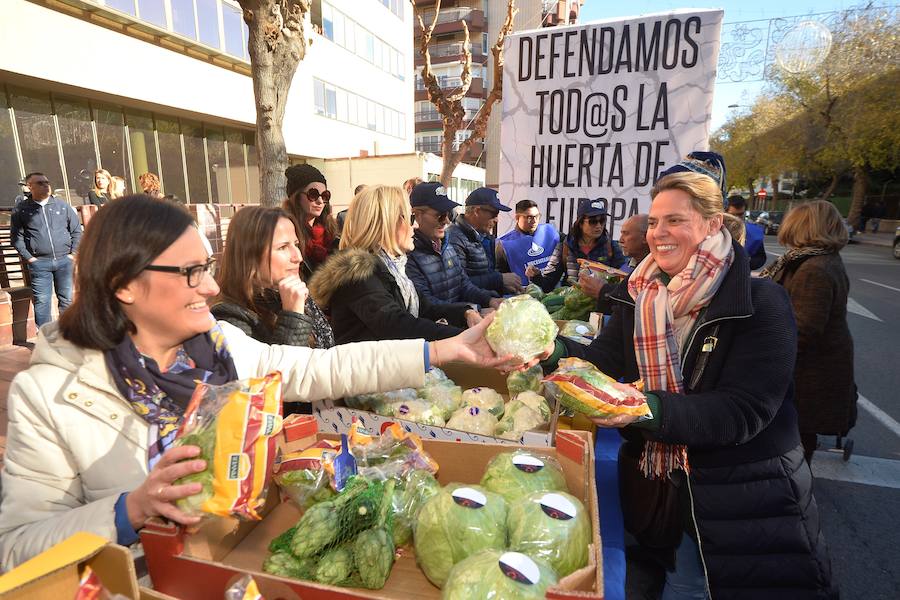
{"type": "Point", "coordinates": [885, 239]}
{"type": "Point", "coordinates": [12, 360]}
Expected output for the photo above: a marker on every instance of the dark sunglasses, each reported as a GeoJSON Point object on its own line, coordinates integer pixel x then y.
{"type": "Point", "coordinates": [314, 196]}
{"type": "Point", "coordinates": [596, 220]}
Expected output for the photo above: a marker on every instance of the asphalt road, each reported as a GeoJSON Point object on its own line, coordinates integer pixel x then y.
{"type": "Point", "coordinates": [859, 499]}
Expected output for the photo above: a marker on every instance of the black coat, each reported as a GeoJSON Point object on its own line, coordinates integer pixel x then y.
{"type": "Point", "coordinates": [365, 303]}
{"type": "Point", "coordinates": [749, 490]}
{"type": "Point", "coordinates": [472, 255]}
{"type": "Point", "coordinates": [289, 328]}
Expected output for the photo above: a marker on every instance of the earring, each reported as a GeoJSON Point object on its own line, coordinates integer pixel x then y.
{"type": "Point", "coordinates": [709, 236]}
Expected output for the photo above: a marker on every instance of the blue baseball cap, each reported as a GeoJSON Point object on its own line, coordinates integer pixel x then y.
{"type": "Point", "coordinates": [433, 195]}
{"type": "Point", "coordinates": [485, 196]}
{"type": "Point", "coordinates": [592, 208]}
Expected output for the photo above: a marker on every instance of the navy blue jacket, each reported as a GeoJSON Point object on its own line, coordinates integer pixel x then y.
{"type": "Point", "coordinates": [440, 277]}
{"type": "Point", "coordinates": [749, 488]}
{"type": "Point", "coordinates": [476, 262]}
{"type": "Point", "coordinates": [51, 231]}
{"type": "Point", "coordinates": [564, 262]}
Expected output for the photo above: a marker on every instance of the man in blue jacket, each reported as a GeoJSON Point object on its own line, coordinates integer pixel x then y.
{"type": "Point", "coordinates": [470, 235]}
{"type": "Point", "coordinates": [433, 265]}
{"type": "Point", "coordinates": [753, 244]}
{"type": "Point", "coordinates": [45, 231]}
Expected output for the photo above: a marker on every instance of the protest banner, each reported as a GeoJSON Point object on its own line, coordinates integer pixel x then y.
{"type": "Point", "coordinates": [596, 111]}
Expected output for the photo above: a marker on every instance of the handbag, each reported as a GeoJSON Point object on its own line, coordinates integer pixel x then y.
{"type": "Point", "coordinates": [652, 509]}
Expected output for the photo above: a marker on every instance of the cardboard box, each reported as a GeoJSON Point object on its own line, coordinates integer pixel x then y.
{"type": "Point", "coordinates": [54, 574]}
{"type": "Point", "coordinates": [200, 566]}
{"type": "Point", "coordinates": [335, 417]}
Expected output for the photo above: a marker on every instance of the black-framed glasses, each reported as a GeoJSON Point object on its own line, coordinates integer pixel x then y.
{"type": "Point", "coordinates": [530, 217]}
{"type": "Point", "coordinates": [193, 273]}
{"type": "Point", "coordinates": [315, 196]}
{"type": "Point", "coordinates": [596, 220]}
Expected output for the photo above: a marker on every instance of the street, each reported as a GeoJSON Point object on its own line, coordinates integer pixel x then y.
{"type": "Point", "coordinates": [858, 499]}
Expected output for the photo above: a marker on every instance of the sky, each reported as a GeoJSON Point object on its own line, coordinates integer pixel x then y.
{"type": "Point", "coordinates": [726, 93]}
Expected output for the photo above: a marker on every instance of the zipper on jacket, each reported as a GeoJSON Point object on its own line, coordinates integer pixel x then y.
{"type": "Point", "coordinates": [49, 233]}
{"type": "Point", "coordinates": [697, 329]}
{"type": "Point", "coordinates": [687, 479]}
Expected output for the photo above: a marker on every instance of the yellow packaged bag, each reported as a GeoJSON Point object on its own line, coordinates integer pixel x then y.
{"type": "Point", "coordinates": [235, 427]}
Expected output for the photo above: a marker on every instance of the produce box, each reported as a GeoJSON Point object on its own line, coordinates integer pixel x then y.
{"type": "Point", "coordinates": [202, 564]}
{"type": "Point", "coordinates": [334, 416]}
{"type": "Point", "coordinates": [55, 574]}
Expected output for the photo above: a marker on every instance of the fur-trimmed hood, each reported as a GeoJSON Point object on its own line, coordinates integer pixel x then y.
{"type": "Point", "coordinates": [345, 267]}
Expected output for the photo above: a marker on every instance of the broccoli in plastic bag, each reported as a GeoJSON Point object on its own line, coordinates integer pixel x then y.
{"type": "Point", "coordinates": [235, 427]}
{"type": "Point", "coordinates": [485, 399]}
{"type": "Point", "coordinates": [580, 386]}
{"type": "Point", "coordinates": [473, 420]}
{"type": "Point", "coordinates": [553, 526]}
{"type": "Point", "coordinates": [521, 328]}
{"type": "Point", "coordinates": [523, 381]}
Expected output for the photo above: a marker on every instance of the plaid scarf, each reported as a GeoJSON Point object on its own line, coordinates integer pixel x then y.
{"type": "Point", "coordinates": [664, 315]}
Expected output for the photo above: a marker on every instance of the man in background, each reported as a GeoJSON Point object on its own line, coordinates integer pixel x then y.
{"type": "Point", "coordinates": [530, 244]}
{"type": "Point", "coordinates": [754, 246]}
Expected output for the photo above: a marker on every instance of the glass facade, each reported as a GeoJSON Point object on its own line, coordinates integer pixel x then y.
{"type": "Point", "coordinates": [69, 138]}
{"type": "Point", "coordinates": [347, 33]}
{"type": "Point", "coordinates": [339, 104]}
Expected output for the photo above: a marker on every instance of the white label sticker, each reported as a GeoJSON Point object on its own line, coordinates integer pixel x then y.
{"type": "Point", "coordinates": [557, 506]}
{"type": "Point", "coordinates": [582, 329]}
{"type": "Point", "coordinates": [469, 497]}
{"type": "Point", "coordinates": [528, 463]}
{"type": "Point", "coordinates": [519, 567]}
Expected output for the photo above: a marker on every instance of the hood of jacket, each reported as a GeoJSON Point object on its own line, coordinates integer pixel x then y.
{"type": "Point", "coordinates": [87, 365]}
{"type": "Point", "coordinates": [347, 266]}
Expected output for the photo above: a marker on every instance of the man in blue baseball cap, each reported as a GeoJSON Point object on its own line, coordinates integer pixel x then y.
{"type": "Point", "coordinates": [472, 237]}
{"type": "Point", "coordinates": [433, 265]}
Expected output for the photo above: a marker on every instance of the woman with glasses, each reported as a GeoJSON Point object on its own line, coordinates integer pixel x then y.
{"type": "Point", "coordinates": [365, 286]}
{"type": "Point", "coordinates": [92, 420]}
{"type": "Point", "coordinates": [587, 239]}
{"type": "Point", "coordinates": [308, 202]}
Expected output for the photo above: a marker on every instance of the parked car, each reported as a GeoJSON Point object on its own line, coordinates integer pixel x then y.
{"type": "Point", "coordinates": [770, 221]}
{"type": "Point", "coordinates": [897, 243]}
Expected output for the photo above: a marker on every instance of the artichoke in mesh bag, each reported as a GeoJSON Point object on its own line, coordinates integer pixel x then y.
{"type": "Point", "coordinates": [335, 566]}
{"type": "Point", "coordinates": [373, 549]}
{"type": "Point", "coordinates": [316, 530]}
{"type": "Point", "coordinates": [485, 399]}
{"type": "Point", "coordinates": [457, 522]}
{"type": "Point", "coordinates": [551, 526]}
{"type": "Point", "coordinates": [521, 328]}
{"type": "Point", "coordinates": [285, 564]}
{"type": "Point", "coordinates": [517, 474]}
{"type": "Point", "coordinates": [497, 575]}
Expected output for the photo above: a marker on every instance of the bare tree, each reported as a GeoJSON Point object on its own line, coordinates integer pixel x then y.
{"type": "Point", "coordinates": [449, 101]}
{"type": "Point", "coordinates": [277, 44]}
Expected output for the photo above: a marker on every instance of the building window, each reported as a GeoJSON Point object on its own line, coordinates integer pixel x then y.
{"type": "Point", "coordinates": [343, 31]}
{"type": "Point", "coordinates": [208, 22]}
{"type": "Point", "coordinates": [395, 6]}
{"type": "Point", "coordinates": [339, 104]}
{"type": "Point", "coordinates": [9, 160]}
{"type": "Point", "coordinates": [37, 136]}
{"type": "Point", "coordinates": [195, 161]}
{"type": "Point", "coordinates": [152, 11]}
{"type": "Point", "coordinates": [110, 127]}
{"type": "Point", "coordinates": [170, 156]}
{"type": "Point", "coordinates": [77, 137]}
{"type": "Point", "coordinates": [126, 6]}
{"type": "Point", "coordinates": [233, 26]}
{"type": "Point", "coordinates": [183, 18]}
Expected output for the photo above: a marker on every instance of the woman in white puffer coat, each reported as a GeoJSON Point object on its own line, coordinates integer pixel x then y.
{"type": "Point", "coordinates": [92, 419]}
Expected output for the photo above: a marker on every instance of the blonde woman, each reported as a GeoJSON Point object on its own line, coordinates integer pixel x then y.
{"type": "Point", "coordinates": [116, 187]}
{"type": "Point", "coordinates": [365, 287]}
{"type": "Point", "coordinates": [813, 274]}
{"type": "Point", "coordinates": [715, 350]}
{"type": "Point", "coordinates": [100, 195]}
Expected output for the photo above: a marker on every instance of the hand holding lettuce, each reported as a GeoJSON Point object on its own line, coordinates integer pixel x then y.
{"type": "Point", "coordinates": [521, 328]}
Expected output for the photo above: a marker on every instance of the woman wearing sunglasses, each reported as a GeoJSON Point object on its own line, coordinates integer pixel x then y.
{"type": "Point", "coordinates": [92, 420]}
{"type": "Point", "coordinates": [588, 239]}
{"type": "Point", "coordinates": [309, 202]}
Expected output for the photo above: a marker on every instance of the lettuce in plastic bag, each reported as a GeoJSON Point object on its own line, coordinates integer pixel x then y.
{"type": "Point", "coordinates": [522, 328]}
{"type": "Point", "coordinates": [411, 492]}
{"type": "Point", "coordinates": [497, 575]}
{"type": "Point", "coordinates": [517, 474]}
{"type": "Point", "coordinates": [552, 526]}
{"type": "Point", "coordinates": [473, 420]}
{"type": "Point", "coordinates": [458, 522]}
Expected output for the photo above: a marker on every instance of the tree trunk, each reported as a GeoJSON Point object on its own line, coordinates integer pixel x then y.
{"type": "Point", "coordinates": [835, 178]}
{"type": "Point", "coordinates": [858, 197]}
{"type": "Point", "coordinates": [276, 46]}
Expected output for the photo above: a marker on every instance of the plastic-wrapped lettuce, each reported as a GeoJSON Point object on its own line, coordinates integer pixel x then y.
{"type": "Point", "coordinates": [379, 403]}
{"type": "Point", "coordinates": [523, 381]}
{"type": "Point", "coordinates": [534, 290]}
{"type": "Point", "coordinates": [458, 522]}
{"type": "Point", "coordinates": [411, 492]}
{"type": "Point", "coordinates": [553, 527]}
{"type": "Point", "coordinates": [522, 328]}
{"type": "Point", "coordinates": [497, 575]}
{"type": "Point", "coordinates": [528, 411]}
{"type": "Point", "coordinates": [418, 412]}
{"type": "Point", "coordinates": [517, 474]}
{"type": "Point", "coordinates": [473, 420]}
{"type": "Point", "coordinates": [444, 395]}
{"type": "Point", "coordinates": [485, 399]}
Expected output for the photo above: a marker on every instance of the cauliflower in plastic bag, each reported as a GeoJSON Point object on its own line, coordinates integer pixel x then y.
{"type": "Point", "coordinates": [536, 402]}
{"type": "Point", "coordinates": [417, 411]}
{"type": "Point", "coordinates": [474, 420]}
{"type": "Point", "coordinates": [521, 381]}
{"type": "Point", "coordinates": [528, 411]}
{"type": "Point", "coordinates": [485, 399]}
{"type": "Point", "coordinates": [522, 328]}
{"type": "Point", "coordinates": [378, 403]}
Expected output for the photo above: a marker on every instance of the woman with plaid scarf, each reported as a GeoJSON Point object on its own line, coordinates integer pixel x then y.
{"type": "Point", "coordinates": [716, 479]}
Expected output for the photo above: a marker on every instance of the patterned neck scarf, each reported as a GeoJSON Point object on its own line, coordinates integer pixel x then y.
{"type": "Point", "coordinates": [396, 265]}
{"type": "Point", "coordinates": [778, 269]}
{"type": "Point", "coordinates": [159, 396]}
{"type": "Point", "coordinates": [664, 315]}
